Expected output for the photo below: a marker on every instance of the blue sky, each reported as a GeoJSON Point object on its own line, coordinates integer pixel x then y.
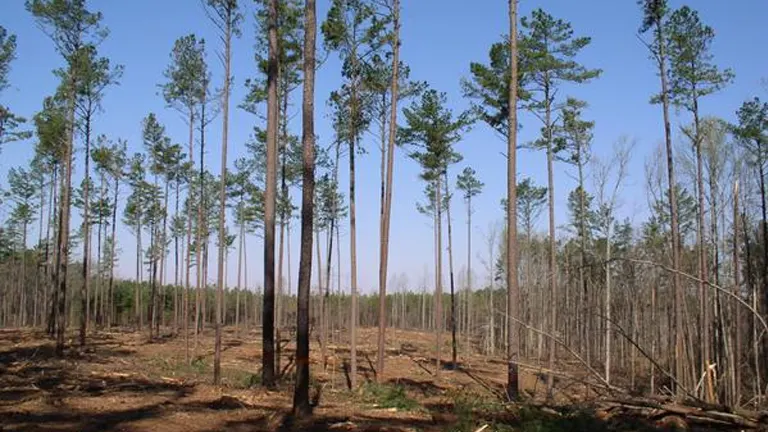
{"type": "Point", "coordinates": [440, 39]}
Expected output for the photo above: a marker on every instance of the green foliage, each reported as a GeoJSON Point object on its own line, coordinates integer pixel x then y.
{"type": "Point", "coordinates": [692, 73]}
{"type": "Point", "coordinates": [474, 410]}
{"type": "Point", "coordinates": [186, 75]}
{"type": "Point", "coordinates": [587, 216]}
{"type": "Point", "coordinates": [389, 396]}
{"type": "Point", "coordinates": [329, 206]}
{"type": "Point", "coordinates": [7, 55]}
{"type": "Point", "coordinates": [468, 183]}
{"type": "Point", "coordinates": [290, 36]}
{"type": "Point", "coordinates": [548, 48]}
{"type": "Point", "coordinates": [94, 74]}
{"type": "Point", "coordinates": [751, 131]}
{"type": "Point", "coordinates": [350, 27]}
{"type": "Point", "coordinates": [654, 12]}
{"type": "Point", "coordinates": [51, 130]}
{"type": "Point", "coordinates": [69, 24]}
{"type": "Point", "coordinates": [430, 132]}
{"type": "Point", "coordinates": [575, 134]}
{"type": "Point", "coordinates": [530, 202]}
{"type": "Point", "coordinates": [9, 122]}
{"type": "Point", "coordinates": [488, 88]}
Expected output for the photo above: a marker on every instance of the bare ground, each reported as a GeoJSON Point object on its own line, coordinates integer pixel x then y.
{"type": "Point", "coordinates": [122, 382]}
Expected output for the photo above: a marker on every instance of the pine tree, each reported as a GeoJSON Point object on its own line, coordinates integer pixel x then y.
{"type": "Point", "coordinates": [70, 26]}
{"type": "Point", "coordinates": [301, 407]}
{"type": "Point", "coordinates": [547, 51]}
{"type": "Point", "coordinates": [655, 15]}
{"type": "Point", "coordinates": [9, 122]}
{"type": "Point", "coordinates": [692, 75]}
{"type": "Point", "coordinates": [430, 132]}
{"type": "Point", "coordinates": [470, 187]}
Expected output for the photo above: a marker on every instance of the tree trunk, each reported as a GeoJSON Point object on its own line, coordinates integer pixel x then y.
{"type": "Point", "coordinates": [199, 241]}
{"type": "Point", "coordinates": [301, 407]}
{"type": "Point", "coordinates": [112, 254]}
{"type": "Point", "coordinates": [679, 357]}
{"type": "Point", "coordinates": [737, 291]}
{"type": "Point", "coordinates": [552, 245]}
{"type": "Point", "coordinates": [239, 275]}
{"type": "Point", "coordinates": [62, 257]}
{"type": "Point", "coordinates": [513, 290]}
{"type": "Point", "coordinates": [353, 245]}
{"type": "Point", "coordinates": [608, 300]}
{"type": "Point", "coordinates": [268, 312]}
{"type": "Point", "coordinates": [176, 270]}
{"type": "Point", "coordinates": [387, 210]}
{"type": "Point", "coordinates": [468, 326]}
{"type": "Point", "coordinates": [438, 281]}
{"type": "Point", "coordinates": [223, 193]}
{"type": "Point", "coordinates": [188, 255]}
{"type": "Point", "coordinates": [450, 271]}
{"type": "Point", "coordinates": [85, 291]}
{"type": "Point", "coordinates": [99, 287]}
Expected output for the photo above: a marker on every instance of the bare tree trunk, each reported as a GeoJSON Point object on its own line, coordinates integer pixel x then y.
{"type": "Point", "coordinates": [199, 241]}
{"type": "Point", "coordinates": [85, 291]}
{"type": "Point", "coordinates": [679, 357]}
{"type": "Point", "coordinates": [188, 255]}
{"type": "Point", "coordinates": [552, 248]}
{"type": "Point", "coordinates": [62, 256]}
{"type": "Point", "coordinates": [387, 208]}
{"type": "Point", "coordinates": [353, 252]}
{"type": "Point", "coordinates": [239, 275]}
{"type": "Point", "coordinates": [513, 289]}
{"type": "Point", "coordinates": [223, 192]}
{"type": "Point", "coordinates": [450, 270]}
{"type": "Point", "coordinates": [737, 291]}
{"type": "Point", "coordinates": [608, 300]}
{"type": "Point", "coordinates": [438, 281]}
{"type": "Point", "coordinates": [268, 312]}
{"type": "Point", "coordinates": [301, 407]}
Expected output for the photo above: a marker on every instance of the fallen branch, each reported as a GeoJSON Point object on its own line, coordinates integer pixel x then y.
{"type": "Point", "coordinates": [654, 409]}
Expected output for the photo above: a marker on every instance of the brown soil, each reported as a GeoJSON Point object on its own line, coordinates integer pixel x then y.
{"type": "Point", "coordinates": [122, 382]}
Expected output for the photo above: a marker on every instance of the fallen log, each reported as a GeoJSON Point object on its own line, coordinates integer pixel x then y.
{"type": "Point", "coordinates": [692, 414]}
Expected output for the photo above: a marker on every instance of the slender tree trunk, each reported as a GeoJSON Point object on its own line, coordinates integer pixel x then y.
{"type": "Point", "coordinates": [85, 291]}
{"type": "Point", "coordinates": [176, 270]}
{"type": "Point", "coordinates": [552, 244]}
{"type": "Point", "coordinates": [162, 257]}
{"type": "Point", "coordinates": [62, 257]}
{"type": "Point", "coordinates": [513, 290]}
{"type": "Point", "coordinates": [387, 207]}
{"type": "Point", "coordinates": [737, 291]}
{"type": "Point", "coordinates": [113, 248]}
{"type": "Point", "coordinates": [353, 251]}
{"type": "Point", "coordinates": [188, 254]}
{"type": "Point", "coordinates": [703, 274]}
{"type": "Point", "coordinates": [268, 313]}
{"type": "Point", "coordinates": [764, 211]}
{"type": "Point", "coordinates": [438, 281]}
{"type": "Point", "coordinates": [450, 271]}
{"type": "Point", "coordinates": [239, 275]}
{"type": "Point", "coordinates": [223, 194]}
{"type": "Point", "coordinates": [137, 291]}
{"type": "Point", "coordinates": [468, 328]}
{"type": "Point", "coordinates": [199, 241]}
{"type": "Point", "coordinates": [301, 407]}
{"type": "Point", "coordinates": [679, 354]}
{"type": "Point", "coordinates": [99, 263]}
{"type": "Point", "coordinates": [608, 300]}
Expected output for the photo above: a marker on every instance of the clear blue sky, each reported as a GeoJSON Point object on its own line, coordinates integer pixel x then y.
{"type": "Point", "coordinates": [440, 39]}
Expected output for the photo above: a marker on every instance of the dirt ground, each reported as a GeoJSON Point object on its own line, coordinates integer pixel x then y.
{"type": "Point", "coordinates": [122, 382]}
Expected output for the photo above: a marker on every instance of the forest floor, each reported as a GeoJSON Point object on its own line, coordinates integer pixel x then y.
{"type": "Point", "coordinates": [122, 382]}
